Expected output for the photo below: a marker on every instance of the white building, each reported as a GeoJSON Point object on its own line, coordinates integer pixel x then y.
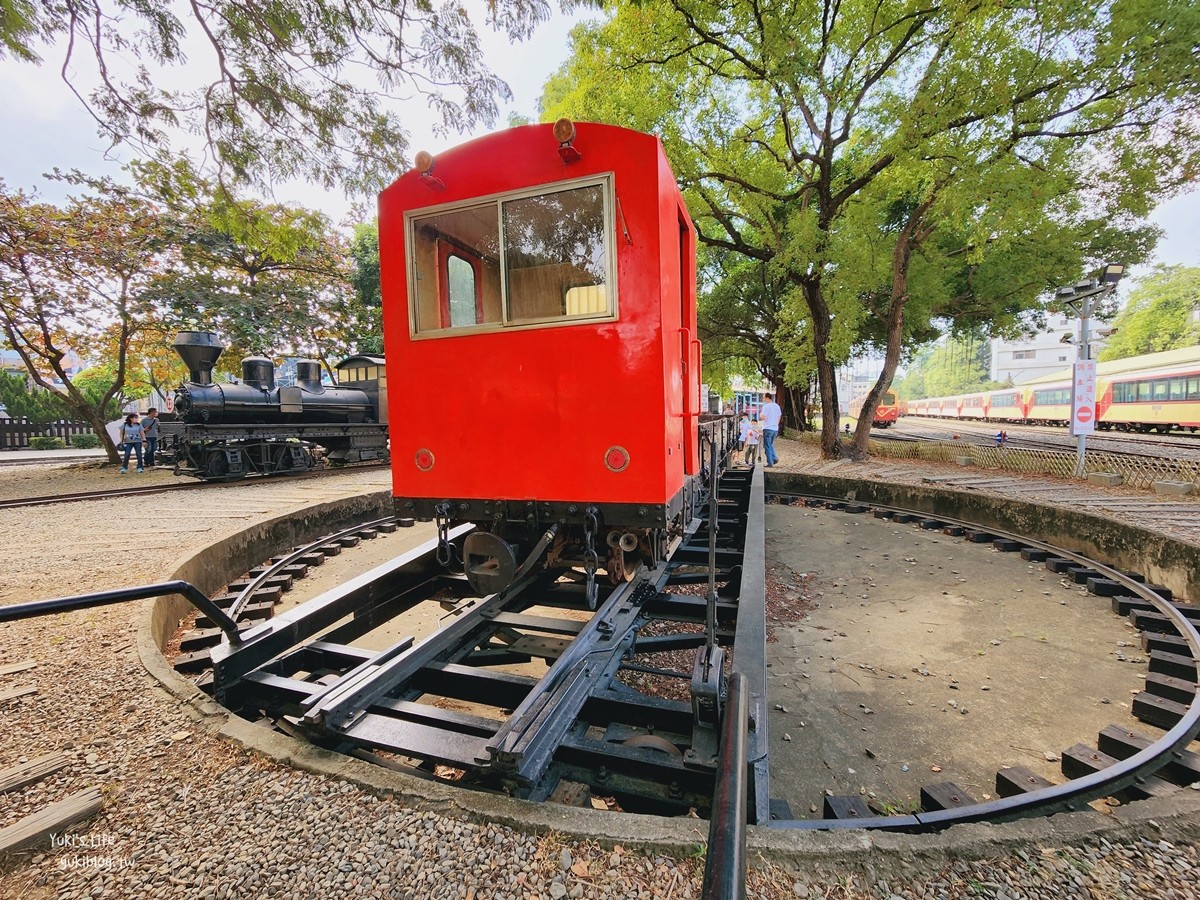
{"type": "Point", "coordinates": [856, 378]}
{"type": "Point", "coordinates": [1050, 351]}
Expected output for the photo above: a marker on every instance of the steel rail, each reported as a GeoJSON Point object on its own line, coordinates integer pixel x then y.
{"type": "Point", "coordinates": [725, 860]}
{"type": "Point", "coordinates": [189, 591]}
{"type": "Point", "coordinates": [118, 493]}
{"type": "Point", "coordinates": [243, 597]}
{"type": "Point", "coordinates": [1070, 795]}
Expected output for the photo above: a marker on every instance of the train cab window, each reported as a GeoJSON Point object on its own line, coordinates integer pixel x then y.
{"type": "Point", "coordinates": [556, 255]}
{"type": "Point", "coordinates": [526, 258]}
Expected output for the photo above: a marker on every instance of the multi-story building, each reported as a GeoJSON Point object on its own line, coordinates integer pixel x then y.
{"type": "Point", "coordinates": [1045, 353]}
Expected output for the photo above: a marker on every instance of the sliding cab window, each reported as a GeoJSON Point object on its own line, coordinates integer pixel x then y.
{"type": "Point", "coordinates": [525, 259]}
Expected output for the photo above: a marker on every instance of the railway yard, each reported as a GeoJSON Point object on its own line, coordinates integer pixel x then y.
{"type": "Point", "coordinates": [898, 658]}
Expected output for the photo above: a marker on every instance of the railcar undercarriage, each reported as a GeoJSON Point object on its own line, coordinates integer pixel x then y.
{"type": "Point", "coordinates": [447, 700]}
{"type": "Point", "coordinates": [229, 452]}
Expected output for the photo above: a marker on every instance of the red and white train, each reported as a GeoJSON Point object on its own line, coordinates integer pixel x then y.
{"type": "Point", "coordinates": [887, 411]}
{"type": "Point", "coordinates": [1155, 392]}
{"type": "Point", "coordinates": [539, 291]}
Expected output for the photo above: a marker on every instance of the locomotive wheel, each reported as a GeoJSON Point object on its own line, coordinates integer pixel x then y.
{"type": "Point", "coordinates": [218, 464]}
{"type": "Point", "coordinates": [218, 467]}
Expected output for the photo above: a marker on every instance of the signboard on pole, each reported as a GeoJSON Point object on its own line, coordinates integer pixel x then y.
{"type": "Point", "coordinates": [1083, 397]}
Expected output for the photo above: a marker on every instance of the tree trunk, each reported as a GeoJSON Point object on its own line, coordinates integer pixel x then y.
{"type": "Point", "coordinates": [96, 420]}
{"type": "Point", "coordinates": [826, 376]}
{"type": "Point", "coordinates": [901, 256]}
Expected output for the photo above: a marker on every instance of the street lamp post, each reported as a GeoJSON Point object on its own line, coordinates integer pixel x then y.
{"type": "Point", "coordinates": [1081, 299]}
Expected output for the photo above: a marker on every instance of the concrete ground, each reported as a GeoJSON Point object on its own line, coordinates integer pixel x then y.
{"type": "Point", "coordinates": [926, 659]}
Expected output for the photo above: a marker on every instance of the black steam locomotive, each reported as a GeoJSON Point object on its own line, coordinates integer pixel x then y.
{"type": "Point", "coordinates": [229, 430]}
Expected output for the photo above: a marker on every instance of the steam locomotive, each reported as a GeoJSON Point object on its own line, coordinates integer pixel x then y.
{"type": "Point", "coordinates": [226, 431]}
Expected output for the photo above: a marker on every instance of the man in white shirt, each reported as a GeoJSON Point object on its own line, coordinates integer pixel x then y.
{"type": "Point", "coordinates": [769, 415]}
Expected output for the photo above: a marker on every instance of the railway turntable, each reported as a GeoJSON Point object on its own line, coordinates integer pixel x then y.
{"type": "Point", "coordinates": [578, 724]}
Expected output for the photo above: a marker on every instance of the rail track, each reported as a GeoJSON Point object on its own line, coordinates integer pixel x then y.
{"type": "Point", "coordinates": [528, 693]}
{"type": "Point", "coordinates": [1045, 438]}
{"type": "Point", "coordinates": [327, 703]}
{"type": "Point", "coordinates": [136, 491]}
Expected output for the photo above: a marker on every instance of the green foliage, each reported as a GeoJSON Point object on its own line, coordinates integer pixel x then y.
{"type": "Point", "coordinates": [887, 163]}
{"type": "Point", "coordinates": [38, 406]}
{"type": "Point", "coordinates": [85, 441]}
{"type": "Point", "coordinates": [1163, 313]}
{"type": "Point", "coordinates": [271, 279]}
{"type": "Point", "coordinates": [364, 277]}
{"type": "Point", "coordinates": [95, 383]}
{"type": "Point", "coordinates": [47, 443]}
{"type": "Point", "coordinates": [954, 366]}
{"type": "Point", "coordinates": [274, 90]}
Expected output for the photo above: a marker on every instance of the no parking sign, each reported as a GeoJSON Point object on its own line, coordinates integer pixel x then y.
{"type": "Point", "coordinates": [1083, 397]}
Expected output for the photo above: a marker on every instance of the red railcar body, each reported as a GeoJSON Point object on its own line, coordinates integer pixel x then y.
{"type": "Point", "coordinates": [566, 371]}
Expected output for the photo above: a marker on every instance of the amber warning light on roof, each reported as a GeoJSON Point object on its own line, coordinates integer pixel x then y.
{"type": "Point", "coordinates": [423, 163]}
{"type": "Point", "coordinates": [564, 133]}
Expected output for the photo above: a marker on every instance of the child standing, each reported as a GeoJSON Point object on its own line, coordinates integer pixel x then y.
{"type": "Point", "coordinates": [753, 436]}
{"type": "Point", "coordinates": [743, 428]}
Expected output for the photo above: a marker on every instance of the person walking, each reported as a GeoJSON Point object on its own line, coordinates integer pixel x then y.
{"type": "Point", "coordinates": [150, 429]}
{"type": "Point", "coordinates": [770, 415]}
{"type": "Point", "coordinates": [752, 438]}
{"type": "Point", "coordinates": [132, 438]}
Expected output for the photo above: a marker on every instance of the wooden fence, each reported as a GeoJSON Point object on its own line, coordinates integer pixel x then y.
{"type": "Point", "coordinates": [1137, 471]}
{"type": "Point", "coordinates": [15, 434]}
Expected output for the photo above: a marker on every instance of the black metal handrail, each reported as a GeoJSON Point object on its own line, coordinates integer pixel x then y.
{"type": "Point", "coordinates": [725, 862]}
{"type": "Point", "coordinates": [189, 591]}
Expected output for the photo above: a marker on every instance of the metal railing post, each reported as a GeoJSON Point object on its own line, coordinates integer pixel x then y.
{"type": "Point", "coordinates": [725, 862]}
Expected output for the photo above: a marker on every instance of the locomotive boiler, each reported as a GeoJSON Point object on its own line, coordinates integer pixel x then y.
{"type": "Point", "coordinates": [231, 429]}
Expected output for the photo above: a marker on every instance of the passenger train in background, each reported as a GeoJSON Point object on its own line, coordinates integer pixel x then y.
{"type": "Point", "coordinates": [1156, 392]}
{"type": "Point", "coordinates": [886, 412]}
{"type": "Point", "coordinates": [539, 289]}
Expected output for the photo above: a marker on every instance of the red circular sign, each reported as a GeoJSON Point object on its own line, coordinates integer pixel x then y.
{"type": "Point", "coordinates": [1084, 414]}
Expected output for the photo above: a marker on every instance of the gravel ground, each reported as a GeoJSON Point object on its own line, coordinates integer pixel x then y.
{"type": "Point", "coordinates": [189, 816]}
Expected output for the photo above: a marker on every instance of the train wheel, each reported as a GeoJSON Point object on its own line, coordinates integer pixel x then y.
{"type": "Point", "coordinates": [218, 467]}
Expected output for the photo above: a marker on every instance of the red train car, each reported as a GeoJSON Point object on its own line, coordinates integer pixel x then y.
{"type": "Point", "coordinates": [886, 412]}
{"type": "Point", "coordinates": [540, 320]}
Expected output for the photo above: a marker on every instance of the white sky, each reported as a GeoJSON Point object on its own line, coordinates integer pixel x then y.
{"type": "Point", "coordinates": [45, 127]}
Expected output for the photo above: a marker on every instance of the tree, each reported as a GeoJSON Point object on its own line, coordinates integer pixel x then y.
{"type": "Point", "coordinates": [39, 406]}
{"type": "Point", "coordinates": [953, 366]}
{"type": "Point", "coordinates": [78, 277]}
{"type": "Point", "coordinates": [364, 253]}
{"type": "Point", "coordinates": [1163, 313]}
{"type": "Point", "coordinates": [269, 278]}
{"type": "Point", "coordinates": [796, 129]}
{"type": "Point", "coordinates": [275, 90]}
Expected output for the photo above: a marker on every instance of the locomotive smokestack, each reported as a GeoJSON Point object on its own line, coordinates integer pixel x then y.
{"type": "Point", "coordinates": [308, 375]}
{"type": "Point", "coordinates": [199, 351]}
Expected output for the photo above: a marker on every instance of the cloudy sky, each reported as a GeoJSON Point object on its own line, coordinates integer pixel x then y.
{"type": "Point", "coordinates": [45, 127]}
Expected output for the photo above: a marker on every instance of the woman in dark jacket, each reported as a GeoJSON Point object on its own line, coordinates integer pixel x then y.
{"type": "Point", "coordinates": [132, 438]}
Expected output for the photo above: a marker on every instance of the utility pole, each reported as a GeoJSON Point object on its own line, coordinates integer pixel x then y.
{"type": "Point", "coordinates": [1081, 299]}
